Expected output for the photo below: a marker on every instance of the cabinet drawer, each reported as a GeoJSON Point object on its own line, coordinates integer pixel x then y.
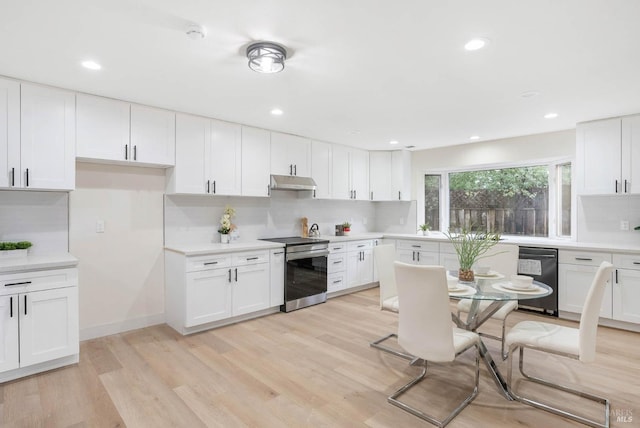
{"type": "Point", "coordinates": [213, 261]}
{"type": "Point", "coordinates": [359, 245]}
{"type": "Point", "coordinates": [626, 261]}
{"type": "Point", "coordinates": [403, 244]}
{"type": "Point", "coordinates": [38, 280]}
{"type": "Point", "coordinates": [586, 258]}
{"type": "Point", "coordinates": [337, 247]}
{"type": "Point", "coordinates": [250, 258]}
{"type": "Point", "coordinates": [336, 281]}
{"type": "Point", "coordinates": [336, 262]}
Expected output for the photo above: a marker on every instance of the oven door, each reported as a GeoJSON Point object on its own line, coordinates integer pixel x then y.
{"type": "Point", "coordinates": [305, 280]}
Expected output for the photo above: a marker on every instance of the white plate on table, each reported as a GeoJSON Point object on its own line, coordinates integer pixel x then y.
{"type": "Point", "coordinates": [492, 274]}
{"type": "Point", "coordinates": [509, 287]}
{"type": "Point", "coordinates": [462, 290]}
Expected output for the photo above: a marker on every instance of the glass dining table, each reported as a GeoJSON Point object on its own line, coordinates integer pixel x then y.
{"type": "Point", "coordinates": [498, 291]}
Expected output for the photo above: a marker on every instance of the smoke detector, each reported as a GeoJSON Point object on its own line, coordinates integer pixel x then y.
{"type": "Point", "coordinates": [196, 31]}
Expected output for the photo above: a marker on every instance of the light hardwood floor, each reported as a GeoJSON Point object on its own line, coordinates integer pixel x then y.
{"type": "Point", "coordinates": [312, 367]}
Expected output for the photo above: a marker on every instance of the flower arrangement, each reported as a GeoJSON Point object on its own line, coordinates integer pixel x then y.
{"type": "Point", "coordinates": [226, 226]}
{"type": "Point", "coordinates": [470, 246]}
{"type": "Point", "coordinates": [346, 227]}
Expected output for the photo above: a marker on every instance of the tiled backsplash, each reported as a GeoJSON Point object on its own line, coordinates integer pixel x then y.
{"type": "Point", "coordinates": [194, 219]}
{"type": "Point", "coordinates": [599, 219]}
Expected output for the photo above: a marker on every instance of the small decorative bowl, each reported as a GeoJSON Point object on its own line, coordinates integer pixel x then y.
{"type": "Point", "coordinates": [521, 281]}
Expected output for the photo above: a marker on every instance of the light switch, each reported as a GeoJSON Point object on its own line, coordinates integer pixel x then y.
{"type": "Point", "coordinates": [100, 226]}
{"type": "Point", "coordinates": [624, 225]}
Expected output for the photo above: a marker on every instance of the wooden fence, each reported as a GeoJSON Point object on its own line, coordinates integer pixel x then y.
{"type": "Point", "coordinates": [524, 221]}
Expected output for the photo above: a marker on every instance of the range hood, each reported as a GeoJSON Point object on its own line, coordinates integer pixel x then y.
{"type": "Point", "coordinates": [292, 182]}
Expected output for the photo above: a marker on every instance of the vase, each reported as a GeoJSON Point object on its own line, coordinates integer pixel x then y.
{"type": "Point", "coordinates": [465, 275]}
{"type": "Point", "coordinates": [224, 238]}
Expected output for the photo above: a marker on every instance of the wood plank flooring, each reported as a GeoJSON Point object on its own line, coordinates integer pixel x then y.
{"type": "Point", "coordinates": [312, 367]}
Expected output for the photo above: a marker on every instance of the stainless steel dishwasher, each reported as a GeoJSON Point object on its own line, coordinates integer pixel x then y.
{"type": "Point", "coordinates": [542, 265]}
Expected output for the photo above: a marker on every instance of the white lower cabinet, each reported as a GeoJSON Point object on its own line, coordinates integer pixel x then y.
{"type": "Point", "coordinates": [277, 277]}
{"type": "Point", "coordinates": [576, 270]}
{"type": "Point", "coordinates": [337, 267]}
{"type": "Point", "coordinates": [359, 263]}
{"type": "Point", "coordinates": [626, 288]}
{"type": "Point", "coordinates": [209, 288]}
{"type": "Point", "coordinates": [39, 328]}
{"type": "Point", "coordinates": [417, 252]}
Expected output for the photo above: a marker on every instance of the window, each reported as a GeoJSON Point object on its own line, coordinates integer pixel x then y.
{"type": "Point", "coordinates": [432, 201]}
{"type": "Point", "coordinates": [563, 215]}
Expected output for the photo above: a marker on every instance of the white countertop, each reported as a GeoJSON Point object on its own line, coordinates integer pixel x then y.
{"type": "Point", "coordinates": [29, 263]}
{"type": "Point", "coordinates": [354, 237]}
{"type": "Point", "coordinates": [200, 249]}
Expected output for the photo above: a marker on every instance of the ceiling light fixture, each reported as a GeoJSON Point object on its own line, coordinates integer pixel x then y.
{"type": "Point", "coordinates": [475, 44]}
{"type": "Point", "coordinates": [196, 31]}
{"type": "Point", "coordinates": [474, 137]}
{"type": "Point", "coordinates": [393, 143]}
{"type": "Point", "coordinates": [276, 112]}
{"type": "Point", "coordinates": [551, 115]}
{"type": "Point", "coordinates": [91, 65]}
{"type": "Point", "coordinates": [266, 57]}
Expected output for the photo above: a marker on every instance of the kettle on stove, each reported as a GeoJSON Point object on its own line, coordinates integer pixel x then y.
{"type": "Point", "coordinates": [314, 231]}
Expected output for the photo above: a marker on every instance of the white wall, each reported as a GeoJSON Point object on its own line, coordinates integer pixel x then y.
{"type": "Point", "coordinates": [122, 269]}
{"type": "Point", "coordinates": [38, 217]}
{"type": "Point", "coordinates": [599, 219]}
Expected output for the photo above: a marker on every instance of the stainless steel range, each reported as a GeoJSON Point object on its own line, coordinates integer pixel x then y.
{"type": "Point", "coordinates": [305, 272]}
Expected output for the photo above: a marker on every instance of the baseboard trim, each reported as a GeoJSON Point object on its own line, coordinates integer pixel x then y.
{"type": "Point", "coordinates": [121, 326]}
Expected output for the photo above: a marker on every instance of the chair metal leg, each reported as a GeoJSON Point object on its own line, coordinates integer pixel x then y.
{"type": "Point", "coordinates": [547, 407]}
{"type": "Point", "coordinates": [393, 399]}
{"type": "Point", "coordinates": [377, 344]}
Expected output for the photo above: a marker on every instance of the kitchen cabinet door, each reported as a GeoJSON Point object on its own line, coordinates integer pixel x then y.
{"type": "Point", "coordinates": [574, 282]}
{"type": "Point", "coordinates": [192, 168]}
{"type": "Point", "coordinates": [321, 169]}
{"type": "Point", "coordinates": [360, 174]}
{"type": "Point", "coordinates": [9, 344]}
{"type": "Point", "coordinates": [47, 138]}
{"type": "Point", "coordinates": [226, 158]}
{"type": "Point", "coordinates": [626, 296]}
{"type": "Point", "coordinates": [251, 291]}
{"type": "Point", "coordinates": [598, 155]}
{"type": "Point", "coordinates": [153, 136]}
{"type": "Point", "coordinates": [10, 134]}
{"type": "Point", "coordinates": [102, 128]}
{"type": "Point", "coordinates": [631, 155]}
{"type": "Point", "coordinates": [340, 173]}
{"type": "Point", "coordinates": [401, 175]}
{"type": "Point", "coordinates": [256, 152]}
{"type": "Point", "coordinates": [380, 171]}
{"type": "Point", "coordinates": [277, 278]}
{"type": "Point", "coordinates": [290, 155]}
{"type": "Point", "coordinates": [208, 296]}
{"type": "Point", "coordinates": [359, 267]}
{"type": "Point", "coordinates": [49, 325]}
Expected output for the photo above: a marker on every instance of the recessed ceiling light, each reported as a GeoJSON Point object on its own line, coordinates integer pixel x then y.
{"type": "Point", "coordinates": [530, 94]}
{"type": "Point", "coordinates": [475, 44]}
{"type": "Point", "coordinates": [393, 143]}
{"type": "Point", "coordinates": [474, 137]}
{"type": "Point", "coordinates": [91, 65]}
{"type": "Point", "coordinates": [195, 31]}
{"type": "Point", "coordinates": [276, 112]}
{"type": "Point", "coordinates": [551, 115]}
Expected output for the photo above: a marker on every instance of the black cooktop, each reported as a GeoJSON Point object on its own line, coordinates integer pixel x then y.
{"type": "Point", "coordinates": [296, 240]}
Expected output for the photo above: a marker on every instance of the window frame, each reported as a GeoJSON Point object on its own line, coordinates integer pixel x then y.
{"type": "Point", "coordinates": [552, 167]}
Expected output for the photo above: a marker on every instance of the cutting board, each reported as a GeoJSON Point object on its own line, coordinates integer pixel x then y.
{"type": "Point", "coordinates": [305, 227]}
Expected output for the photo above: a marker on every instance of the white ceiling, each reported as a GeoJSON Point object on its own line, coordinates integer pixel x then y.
{"type": "Point", "coordinates": [362, 72]}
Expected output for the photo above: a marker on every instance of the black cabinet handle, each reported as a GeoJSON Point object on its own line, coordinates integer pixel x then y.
{"type": "Point", "coordinates": [135, 152]}
{"type": "Point", "coordinates": [290, 169]}
{"type": "Point", "coordinates": [295, 170]}
{"type": "Point", "coordinates": [399, 196]}
{"type": "Point", "coordinates": [229, 275]}
{"type": "Point", "coordinates": [27, 177]}
{"type": "Point", "coordinates": [338, 281]}
{"type": "Point", "coordinates": [413, 254]}
{"type": "Point", "coordinates": [236, 274]}
{"type": "Point", "coordinates": [584, 259]}
{"type": "Point", "coordinates": [314, 193]}
{"type": "Point", "coordinates": [361, 246]}
{"type": "Point", "coordinates": [11, 307]}
{"type": "Point", "coordinates": [625, 186]}
{"type": "Point", "coordinates": [126, 152]}
{"type": "Point", "coordinates": [372, 196]}
{"type": "Point", "coordinates": [208, 187]}
{"type": "Point", "coordinates": [25, 304]}
{"type": "Point", "coordinates": [268, 190]}
{"type": "Point", "coordinates": [636, 263]}
{"type": "Point", "coordinates": [279, 252]}
{"type": "Point", "coordinates": [17, 283]}
{"type": "Point", "coordinates": [252, 258]}
{"type": "Point", "coordinates": [214, 186]}
{"type": "Point", "coordinates": [418, 253]}
{"type": "Point", "coordinates": [617, 282]}
{"type": "Point", "coordinates": [337, 262]}
{"type": "Point", "coordinates": [13, 177]}
{"type": "Point", "coordinates": [616, 187]}
{"type": "Point", "coordinates": [416, 246]}
{"type": "Point", "coordinates": [355, 194]}
{"type": "Point", "coordinates": [210, 263]}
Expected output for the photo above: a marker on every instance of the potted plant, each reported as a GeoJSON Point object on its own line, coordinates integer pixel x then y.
{"type": "Point", "coordinates": [470, 247]}
{"type": "Point", "coordinates": [424, 229]}
{"type": "Point", "coordinates": [14, 249]}
{"type": "Point", "coordinates": [346, 227]}
{"type": "Point", "coordinates": [226, 227]}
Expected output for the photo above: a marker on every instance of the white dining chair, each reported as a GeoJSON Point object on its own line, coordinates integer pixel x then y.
{"type": "Point", "coordinates": [502, 258]}
{"type": "Point", "coordinates": [383, 258]}
{"type": "Point", "coordinates": [425, 330]}
{"type": "Point", "coordinates": [577, 343]}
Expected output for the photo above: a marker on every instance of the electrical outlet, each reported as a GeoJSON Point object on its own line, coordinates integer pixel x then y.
{"type": "Point", "coordinates": [624, 224]}
{"type": "Point", "coordinates": [100, 226]}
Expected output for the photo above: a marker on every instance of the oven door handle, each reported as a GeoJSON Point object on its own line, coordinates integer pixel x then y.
{"type": "Point", "coordinates": [305, 255]}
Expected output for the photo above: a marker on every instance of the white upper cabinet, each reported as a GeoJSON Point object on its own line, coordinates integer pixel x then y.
{"type": "Point", "coordinates": [193, 138]}
{"type": "Point", "coordinates": [256, 150]}
{"type": "Point", "coordinates": [350, 173]}
{"type": "Point", "coordinates": [153, 136]}
{"type": "Point", "coordinates": [290, 155]}
{"type": "Point", "coordinates": [321, 169]}
{"type": "Point", "coordinates": [47, 138]}
{"type": "Point", "coordinates": [401, 175]}
{"type": "Point", "coordinates": [112, 131]}
{"type": "Point", "coordinates": [607, 151]}
{"type": "Point", "coordinates": [226, 158]}
{"type": "Point", "coordinates": [380, 175]}
{"type": "Point", "coordinates": [10, 134]}
{"type": "Point", "coordinates": [102, 127]}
